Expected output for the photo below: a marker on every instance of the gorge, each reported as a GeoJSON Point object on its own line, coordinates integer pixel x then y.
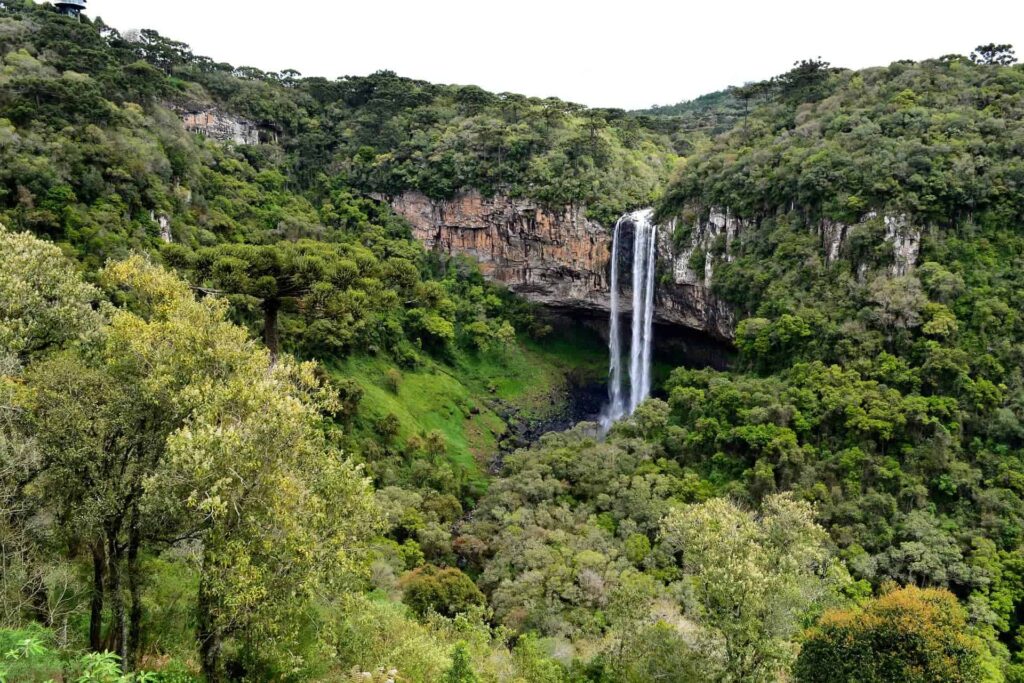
{"type": "Point", "coordinates": [503, 424]}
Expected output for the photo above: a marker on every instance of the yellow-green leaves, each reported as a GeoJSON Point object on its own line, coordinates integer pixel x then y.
{"type": "Point", "coordinates": [176, 424]}
{"type": "Point", "coordinates": [750, 577]}
{"type": "Point", "coordinates": [280, 513]}
{"type": "Point", "coordinates": [43, 300]}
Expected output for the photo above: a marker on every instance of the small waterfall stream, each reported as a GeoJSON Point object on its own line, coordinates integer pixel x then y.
{"type": "Point", "coordinates": [645, 237]}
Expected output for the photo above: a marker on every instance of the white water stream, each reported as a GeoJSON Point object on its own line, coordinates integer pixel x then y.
{"type": "Point", "coordinates": [645, 237]}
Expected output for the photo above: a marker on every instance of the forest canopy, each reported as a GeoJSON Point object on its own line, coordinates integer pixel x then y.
{"type": "Point", "coordinates": [251, 430]}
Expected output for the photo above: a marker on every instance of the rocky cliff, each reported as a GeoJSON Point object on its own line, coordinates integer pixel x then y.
{"type": "Point", "coordinates": [218, 125]}
{"type": "Point", "coordinates": [713, 234]}
{"type": "Point", "coordinates": [561, 259]}
{"type": "Point", "coordinates": [558, 258]}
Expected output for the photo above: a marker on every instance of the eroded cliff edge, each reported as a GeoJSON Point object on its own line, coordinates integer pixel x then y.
{"type": "Point", "coordinates": [560, 259]}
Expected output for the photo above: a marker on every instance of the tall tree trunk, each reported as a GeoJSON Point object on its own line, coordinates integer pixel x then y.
{"type": "Point", "coordinates": [118, 624]}
{"type": "Point", "coordinates": [135, 592]}
{"type": "Point", "coordinates": [96, 604]}
{"type": "Point", "coordinates": [271, 307]}
{"type": "Point", "coordinates": [209, 636]}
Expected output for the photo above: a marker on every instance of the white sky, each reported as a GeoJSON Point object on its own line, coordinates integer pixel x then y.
{"type": "Point", "coordinates": [629, 54]}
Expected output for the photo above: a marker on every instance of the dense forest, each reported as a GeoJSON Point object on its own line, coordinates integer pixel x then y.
{"type": "Point", "coordinates": [251, 430]}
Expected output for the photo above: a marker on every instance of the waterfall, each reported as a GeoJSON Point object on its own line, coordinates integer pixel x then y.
{"type": "Point", "coordinates": [615, 408]}
{"type": "Point", "coordinates": [648, 336]}
{"type": "Point", "coordinates": [645, 237]}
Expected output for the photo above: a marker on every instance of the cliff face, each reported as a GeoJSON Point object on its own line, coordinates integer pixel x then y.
{"type": "Point", "coordinates": [714, 234]}
{"type": "Point", "coordinates": [560, 259]}
{"type": "Point", "coordinates": [563, 260]}
{"type": "Point", "coordinates": [223, 127]}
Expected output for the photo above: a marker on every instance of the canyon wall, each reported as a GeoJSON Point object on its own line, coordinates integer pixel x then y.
{"type": "Point", "coordinates": [561, 259]}
{"type": "Point", "coordinates": [557, 258]}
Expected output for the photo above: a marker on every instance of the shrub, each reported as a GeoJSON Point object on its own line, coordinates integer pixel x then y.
{"type": "Point", "coordinates": [446, 591]}
{"type": "Point", "coordinates": [910, 635]}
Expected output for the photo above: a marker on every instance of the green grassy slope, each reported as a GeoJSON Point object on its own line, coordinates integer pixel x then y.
{"type": "Point", "coordinates": [469, 398]}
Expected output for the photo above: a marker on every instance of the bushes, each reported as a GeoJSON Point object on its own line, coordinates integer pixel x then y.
{"type": "Point", "coordinates": [909, 635]}
{"type": "Point", "coordinates": [446, 591]}
{"type": "Point", "coordinates": [26, 655]}
{"type": "Point", "coordinates": [374, 633]}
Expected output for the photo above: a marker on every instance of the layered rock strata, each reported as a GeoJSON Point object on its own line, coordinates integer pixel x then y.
{"type": "Point", "coordinates": [557, 258]}
{"type": "Point", "coordinates": [561, 259]}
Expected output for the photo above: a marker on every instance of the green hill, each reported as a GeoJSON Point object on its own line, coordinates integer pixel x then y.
{"type": "Point", "coordinates": [251, 430]}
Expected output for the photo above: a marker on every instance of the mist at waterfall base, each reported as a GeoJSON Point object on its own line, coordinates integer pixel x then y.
{"type": "Point", "coordinates": [645, 234]}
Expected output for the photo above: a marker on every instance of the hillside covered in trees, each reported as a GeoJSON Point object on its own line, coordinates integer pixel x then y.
{"type": "Point", "coordinates": [251, 430]}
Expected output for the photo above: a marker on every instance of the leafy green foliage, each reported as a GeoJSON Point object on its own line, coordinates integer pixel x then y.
{"type": "Point", "coordinates": [907, 634]}
{"type": "Point", "coordinates": [27, 657]}
{"type": "Point", "coordinates": [994, 54]}
{"type": "Point", "coordinates": [402, 134]}
{"type": "Point", "coordinates": [922, 138]}
{"type": "Point", "coordinates": [44, 303]}
{"type": "Point", "coordinates": [446, 591]}
{"type": "Point", "coordinates": [461, 670]}
{"type": "Point", "coordinates": [881, 387]}
{"type": "Point", "coordinates": [152, 451]}
{"type": "Point", "coordinates": [138, 440]}
{"type": "Point", "coordinates": [380, 133]}
{"type": "Point", "coordinates": [752, 578]}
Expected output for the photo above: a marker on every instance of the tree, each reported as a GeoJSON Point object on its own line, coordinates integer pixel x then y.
{"type": "Point", "coordinates": [44, 303]}
{"type": "Point", "coordinates": [993, 54]}
{"type": "Point", "coordinates": [101, 418]}
{"type": "Point", "coordinates": [97, 442]}
{"type": "Point", "coordinates": [898, 303]}
{"type": "Point", "coordinates": [273, 274]}
{"type": "Point", "coordinates": [45, 306]}
{"type": "Point", "coordinates": [144, 441]}
{"type": "Point", "coordinates": [159, 51]}
{"type": "Point", "coordinates": [654, 652]}
{"type": "Point", "coordinates": [750, 578]}
{"type": "Point", "coordinates": [751, 91]}
{"type": "Point", "coordinates": [446, 591]}
{"type": "Point", "coordinates": [909, 635]}
{"type": "Point", "coordinates": [461, 670]}
{"type": "Point", "coordinates": [806, 81]}
{"type": "Point", "coordinates": [249, 473]}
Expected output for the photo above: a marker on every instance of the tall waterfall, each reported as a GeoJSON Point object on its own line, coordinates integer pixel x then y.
{"type": "Point", "coordinates": [615, 409]}
{"type": "Point", "coordinates": [645, 238]}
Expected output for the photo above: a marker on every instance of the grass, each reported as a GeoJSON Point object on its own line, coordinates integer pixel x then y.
{"type": "Point", "coordinates": [463, 398]}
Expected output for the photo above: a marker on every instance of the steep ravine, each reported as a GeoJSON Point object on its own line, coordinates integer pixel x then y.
{"type": "Point", "coordinates": [561, 259]}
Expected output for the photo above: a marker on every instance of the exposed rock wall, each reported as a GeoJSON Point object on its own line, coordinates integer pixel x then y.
{"type": "Point", "coordinates": [220, 126]}
{"type": "Point", "coordinates": [556, 258]}
{"type": "Point", "coordinates": [714, 235]}
{"type": "Point", "coordinates": [906, 243]}
{"type": "Point", "coordinates": [561, 259]}
{"type": "Point", "coordinates": [165, 226]}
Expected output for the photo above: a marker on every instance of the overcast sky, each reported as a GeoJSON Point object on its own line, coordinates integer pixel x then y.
{"type": "Point", "coordinates": [629, 53]}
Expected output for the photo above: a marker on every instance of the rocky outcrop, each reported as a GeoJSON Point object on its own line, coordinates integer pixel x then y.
{"type": "Point", "coordinates": [164, 222]}
{"type": "Point", "coordinates": [562, 259]}
{"type": "Point", "coordinates": [712, 238]}
{"type": "Point", "coordinates": [558, 258]}
{"type": "Point", "coordinates": [906, 244]}
{"type": "Point", "coordinates": [223, 127]}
